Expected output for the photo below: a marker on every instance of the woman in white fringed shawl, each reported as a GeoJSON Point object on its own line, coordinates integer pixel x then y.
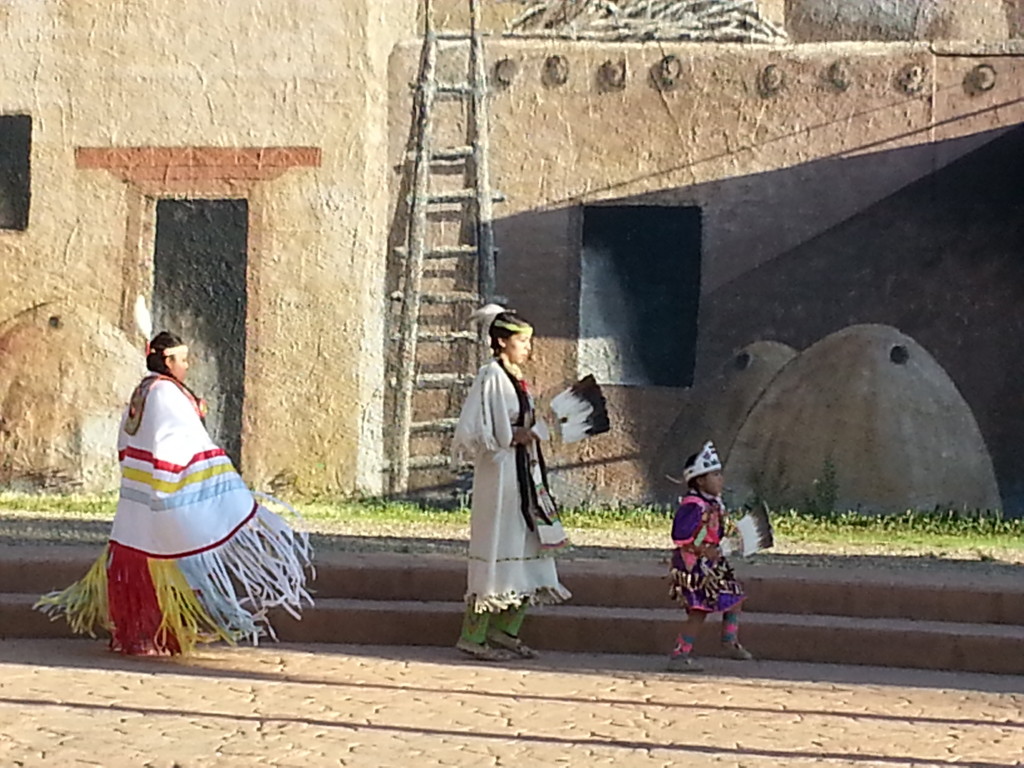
{"type": "Point", "coordinates": [193, 556]}
{"type": "Point", "coordinates": [514, 525]}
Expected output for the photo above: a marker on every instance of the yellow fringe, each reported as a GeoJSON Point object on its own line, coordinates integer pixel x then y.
{"type": "Point", "coordinates": [84, 603]}
{"type": "Point", "coordinates": [183, 615]}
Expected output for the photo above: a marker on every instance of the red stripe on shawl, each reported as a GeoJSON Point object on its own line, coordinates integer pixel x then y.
{"type": "Point", "coordinates": [199, 551]}
{"type": "Point", "coordinates": [166, 466]}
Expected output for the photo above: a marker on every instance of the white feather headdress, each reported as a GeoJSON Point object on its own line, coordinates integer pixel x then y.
{"type": "Point", "coordinates": [485, 315]}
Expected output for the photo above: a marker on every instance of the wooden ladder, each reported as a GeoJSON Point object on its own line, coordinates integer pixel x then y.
{"type": "Point", "coordinates": [437, 355]}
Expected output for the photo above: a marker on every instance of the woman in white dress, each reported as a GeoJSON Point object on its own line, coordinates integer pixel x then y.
{"type": "Point", "coordinates": [514, 525]}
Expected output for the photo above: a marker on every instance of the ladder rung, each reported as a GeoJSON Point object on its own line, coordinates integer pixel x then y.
{"type": "Point", "coordinates": [461, 196]}
{"type": "Point", "coordinates": [441, 337]}
{"type": "Point", "coordinates": [441, 251]}
{"type": "Point", "coordinates": [433, 462]}
{"type": "Point", "coordinates": [437, 425]}
{"type": "Point", "coordinates": [454, 35]}
{"type": "Point", "coordinates": [447, 251]}
{"type": "Point", "coordinates": [450, 297]}
{"type": "Point", "coordinates": [447, 336]}
{"type": "Point", "coordinates": [444, 155]}
{"type": "Point", "coordinates": [452, 153]}
{"type": "Point", "coordinates": [454, 89]}
{"type": "Point", "coordinates": [429, 462]}
{"type": "Point", "coordinates": [442, 380]}
{"type": "Point", "coordinates": [458, 196]}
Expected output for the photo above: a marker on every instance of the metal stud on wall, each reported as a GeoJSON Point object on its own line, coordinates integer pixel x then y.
{"type": "Point", "coordinates": [611, 76]}
{"type": "Point", "coordinates": [556, 71]}
{"type": "Point", "coordinates": [839, 76]}
{"type": "Point", "coordinates": [911, 79]}
{"type": "Point", "coordinates": [505, 71]}
{"type": "Point", "coordinates": [771, 80]}
{"type": "Point", "coordinates": [667, 73]}
{"type": "Point", "coordinates": [980, 79]}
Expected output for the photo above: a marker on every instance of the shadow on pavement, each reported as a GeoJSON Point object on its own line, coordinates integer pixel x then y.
{"type": "Point", "coordinates": [223, 661]}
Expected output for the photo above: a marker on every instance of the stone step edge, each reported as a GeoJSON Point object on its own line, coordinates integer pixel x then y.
{"type": "Point", "coordinates": [365, 577]}
{"type": "Point", "coordinates": [32, 558]}
{"type": "Point", "coordinates": [985, 648]}
{"type": "Point", "coordinates": [83, 555]}
{"type": "Point", "coordinates": [676, 614]}
{"type": "Point", "coordinates": [340, 605]}
{"type": "Point", "coordinates": [782, 637]}
{"type": "Point", "coordinates": [634, 614]}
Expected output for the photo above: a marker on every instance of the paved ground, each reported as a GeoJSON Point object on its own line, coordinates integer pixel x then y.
{"type": "Point", "coordinates": [70, 703]}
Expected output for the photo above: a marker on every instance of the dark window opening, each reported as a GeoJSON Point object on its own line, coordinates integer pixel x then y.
{"type": "Point", "coordinates": [639, 294]}
{"type": "Point", "coordinates": [199, 293]}
{"type": "Point", "coordinates": [15, 185]}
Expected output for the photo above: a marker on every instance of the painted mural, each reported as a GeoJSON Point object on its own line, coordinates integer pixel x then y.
{"type": "Point", "coordinates": [871, 366]}
{"type": "Point", "coordinates": [939, 260]}
{"type": "Point", "coordinates": [809, 253]}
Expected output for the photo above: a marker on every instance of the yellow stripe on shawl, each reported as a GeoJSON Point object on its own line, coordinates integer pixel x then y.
{"type": "Point", "coordinates": [184, 617]}
{"type": "Point", "coordinates": [166, 486]}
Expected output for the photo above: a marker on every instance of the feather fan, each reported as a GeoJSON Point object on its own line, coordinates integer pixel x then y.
{"type": "Point", "coordinates": [581, 410]}
{"type": "Point", "coordinates": [755, 531]}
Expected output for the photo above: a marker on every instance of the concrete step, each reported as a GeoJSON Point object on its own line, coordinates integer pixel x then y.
{"type": "Point", "coordinates": [603, 583]}
{"type": "Point", "coordinates": [589, 629]}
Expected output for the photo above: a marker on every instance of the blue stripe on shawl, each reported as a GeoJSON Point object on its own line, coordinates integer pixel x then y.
{"type": "Point", "coordinates": [207, 490]}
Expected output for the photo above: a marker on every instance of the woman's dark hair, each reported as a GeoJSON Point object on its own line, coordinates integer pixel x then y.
{"type": "Point", "coordinates": [156, 360]}
{"type": "Point", "coordinates": [498, 329]}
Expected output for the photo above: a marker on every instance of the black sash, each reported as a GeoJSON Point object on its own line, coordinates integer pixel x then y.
{"type": "Point", "coordinates": [528, 501]}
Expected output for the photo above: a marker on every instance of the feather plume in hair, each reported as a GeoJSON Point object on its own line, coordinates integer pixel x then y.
{"type": "Point", "coordinates": [581, 410]}
{"type": "Point", "coordinates": [485, 315]}
{"type": "Point", "coordinates": [143, 320]}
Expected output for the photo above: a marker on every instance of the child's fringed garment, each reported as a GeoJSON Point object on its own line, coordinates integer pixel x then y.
{"type": "Point", "coordinates": [697, 583]}
{"type": "Point", "coordinates": [192, 557]}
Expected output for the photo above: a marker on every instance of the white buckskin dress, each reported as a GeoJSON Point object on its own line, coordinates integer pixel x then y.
{"type": "Point", "coordinates": [510, 560]}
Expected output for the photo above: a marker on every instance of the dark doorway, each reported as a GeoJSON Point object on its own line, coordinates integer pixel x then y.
{"type": "Point", "coordinates": [199, 293]}
{"type": "Point", "coordinates": [15, 162]}
{"type": "Point", "coordinates": [639, 294]}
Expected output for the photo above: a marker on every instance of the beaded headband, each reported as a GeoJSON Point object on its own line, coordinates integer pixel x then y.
{"type": "Point", "coordinates": [514, 327]}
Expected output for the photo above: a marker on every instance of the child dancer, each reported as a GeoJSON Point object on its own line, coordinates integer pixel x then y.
{"type": "Point", "coordinates": [702, 579]}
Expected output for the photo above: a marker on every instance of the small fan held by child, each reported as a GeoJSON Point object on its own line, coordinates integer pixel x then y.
{"type": "Point", "coordinates": [753, 533]}
{"type": "Point", "coordinates": [581, 410]}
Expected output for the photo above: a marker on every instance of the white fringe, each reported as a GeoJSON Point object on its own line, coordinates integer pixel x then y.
{"type": "Point", "coordinates": [263, 566]}
{"type": "Point", "coordinates": [496, 603]}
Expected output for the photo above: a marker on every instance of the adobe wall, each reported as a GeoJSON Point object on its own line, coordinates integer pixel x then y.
{"type": "Point", "coordinates": [848, 126]}
{"type": "Point", "coordinates": [305, 112]}
{"type": "Point", "coordinates": [225, 75]}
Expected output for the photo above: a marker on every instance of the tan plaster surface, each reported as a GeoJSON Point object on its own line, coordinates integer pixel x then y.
{"type": "Point", "coordinates": [329, 76]}
{"type": "Point", "coordinates": [224, 75]}
{"type": "Point", "coordinates": [767, 170]}
{"type": "Point", "coordinates": [71, 703]}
